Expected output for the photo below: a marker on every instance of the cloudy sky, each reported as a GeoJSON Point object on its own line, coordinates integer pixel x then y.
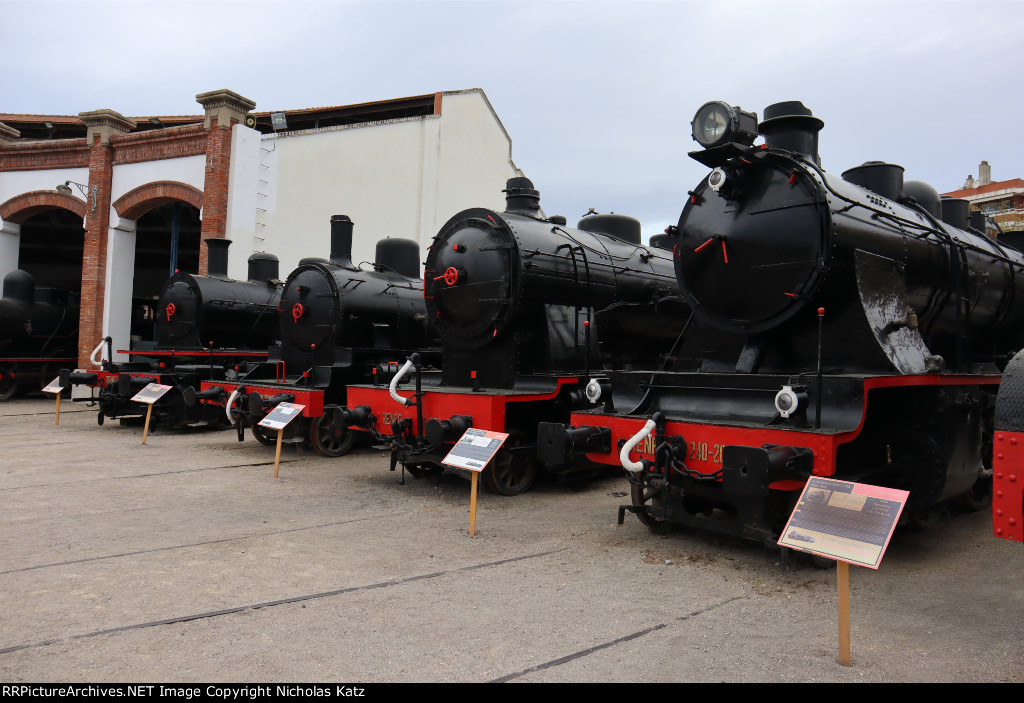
{"type": "Point", "coordinates": [597, 96]}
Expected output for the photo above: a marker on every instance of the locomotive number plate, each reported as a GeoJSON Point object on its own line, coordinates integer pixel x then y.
{"type": "Point", "coordinates": [703, 451]}
{"type": "Point", "coordinates": [695, 451]}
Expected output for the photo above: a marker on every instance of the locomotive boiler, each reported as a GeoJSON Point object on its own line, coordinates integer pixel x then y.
{"type": "Point", "coordinates": [38, 333]}
{"type": "Point", "coordinates": [514, 296]}
{"type": "Point", "coordinates": [207, 327]}
{"type": "Point", "coordinates": [339, 324]}
{"type": "Point", "coordinates": [850, 327]}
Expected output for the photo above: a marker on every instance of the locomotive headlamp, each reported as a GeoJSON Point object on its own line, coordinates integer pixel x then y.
{"type": "Point", "coordinates": [717, 123]}
{"type": "Point", "coordinates": [593, 390]}
{"type": "Point", "coordinates": [786, 401]}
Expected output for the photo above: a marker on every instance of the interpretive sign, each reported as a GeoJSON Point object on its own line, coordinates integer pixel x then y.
{"type": "Point", "coordinates": [473, 452]}
{"type": "Point", "coordinates": [53, 386]}
{"type": "Point", "coordinates": [280, 416]}
{"type": "Point", "coordinates": [850, 522]}
{"type": "Point", "coordinates": [151, 393]}
{"type": "Point", "coordinates": [475, 449]}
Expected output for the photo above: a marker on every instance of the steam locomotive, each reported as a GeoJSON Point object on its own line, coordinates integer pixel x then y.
{"type": "Point", "coordinates": [207, 327]}
{"type": "Point", "coordinates": [513, 297]}
{"type": "Point", "coordinates": [38, 333]}
{"type": "Point", "coordinates": [340, 324]}
{"type": "Point", "coordinates": [855, 328]}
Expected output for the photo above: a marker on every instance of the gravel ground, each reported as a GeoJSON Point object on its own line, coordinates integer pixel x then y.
{"type": "Point", "coordinates": [184, 560]}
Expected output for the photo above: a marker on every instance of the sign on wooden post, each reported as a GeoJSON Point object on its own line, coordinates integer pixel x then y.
{"type": "Point", "coordinates": [149, 395]}
{"type": "Point", "coordinates": [473, 452]}
{"type": "Point", "coordinates": [849, 522]}
{"type": "Point", "coordinates": [55, 388]}
{"type": "Point", "coordinates": [278, 419]}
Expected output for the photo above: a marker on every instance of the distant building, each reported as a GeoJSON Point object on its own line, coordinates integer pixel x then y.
{"type": "Point", "coordinates": [137, 195]}
{"type": "Point", "coordinates": [1003, 201]}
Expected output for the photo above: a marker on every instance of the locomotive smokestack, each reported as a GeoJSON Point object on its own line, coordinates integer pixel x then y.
{"type": "Point", "coordinates": [520, 197]}
{"type": "Point", "coordinates": [217, 256]}
{"type": "Point", "coordinates": [341, 240]}
{"type": "Point", "coordinates": [791, 126]}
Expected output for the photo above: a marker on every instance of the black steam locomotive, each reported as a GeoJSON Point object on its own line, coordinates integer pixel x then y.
{"type": "Point", "coordinates": [38, 333]}
{"type": "Point", "coordinates": [513, 295]}
{"type": "Point", "coordinates": [854, 328]}
{"type": "Point", "coordinates": [207, 327]}
{"type": "Point", "coordinates": [339, 324]}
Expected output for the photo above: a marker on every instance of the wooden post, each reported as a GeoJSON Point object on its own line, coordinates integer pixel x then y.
{"type": "Point", "coordinates": [57, 421]}
{"type": "Point", "coordinates": [472, 505]}
{"type": "Point", "coordinates": [843, 581]}
{"type": "Point", "coordinates": [277, 457]}
{"type": "Point", "coordinates": [145, 431]}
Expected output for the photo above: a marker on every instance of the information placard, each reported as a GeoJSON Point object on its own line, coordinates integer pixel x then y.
{"type": "Point", "coordinates": [280, 416]}
{"type": "Point", "coordinates": [850, 522]}
{"type": "Point", "coordinates": [151, 393]}
{"type": "Point", "coordinates": [475, 449]}
{"type": "Point", "coordinates": [53, 386]}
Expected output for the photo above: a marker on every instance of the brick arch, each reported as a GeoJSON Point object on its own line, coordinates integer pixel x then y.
{"type": "Point", "coordinates": [21, 207]}
{"type": "Point", "coordinates": [138, 201]}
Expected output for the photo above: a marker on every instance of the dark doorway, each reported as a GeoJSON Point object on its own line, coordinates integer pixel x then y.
{"type": "Point", "coordinates": [166, 240]}
{"type": "Point", "coordinates": [50, 249]}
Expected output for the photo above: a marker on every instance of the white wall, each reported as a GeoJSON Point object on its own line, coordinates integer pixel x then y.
{"type": "Point", "coordinates": [401, 178]}
{"type": "Point", "coordinates": [15, 183]}
{"type": "Point", "coordinates": [127, 177]}
{"type": "Point", "coordinates": [247, 193]}
{"type": "Point", "coordinates": [117, 294]}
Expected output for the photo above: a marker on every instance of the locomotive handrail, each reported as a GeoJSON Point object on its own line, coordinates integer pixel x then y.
{"type": "Point", "coordinates": [99, 348]}
{"type": "Point", "coordinates": [634, 466]}
{"type": "Point", "coordinates": [611, 257]}
{"type": "Point", "coordinates": [227, 407]}
{"type": "Point", "coordinates": [392, 388]}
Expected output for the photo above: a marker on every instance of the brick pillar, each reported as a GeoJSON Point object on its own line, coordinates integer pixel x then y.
{"type": "Point", "coordinates": [102, 125]}
{"type": "Point", "coordinates": [224, 109]}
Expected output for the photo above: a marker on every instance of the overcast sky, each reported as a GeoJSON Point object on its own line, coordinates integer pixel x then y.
{"type": "Point", "coordinates": [597, 96]}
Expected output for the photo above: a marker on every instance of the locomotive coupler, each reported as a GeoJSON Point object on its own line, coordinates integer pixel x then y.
{"type": "Point", "coordinates": [558, 444]}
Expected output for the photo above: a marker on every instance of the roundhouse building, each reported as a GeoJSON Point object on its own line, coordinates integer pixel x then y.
{"type": "Point", "coordinates": [110, 206]}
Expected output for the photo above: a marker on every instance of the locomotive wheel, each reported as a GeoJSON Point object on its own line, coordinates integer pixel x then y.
{"type": "Point", "coordinates": [511, 473]}
{"type": "Point", "coordinates": [8, 382]}
{"type": "Point", "coordinates": [636, 492]}
{"type": "Point", "coordinates": [330, 439]}
{"type": "Point", "coordinates": [268, 438]}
